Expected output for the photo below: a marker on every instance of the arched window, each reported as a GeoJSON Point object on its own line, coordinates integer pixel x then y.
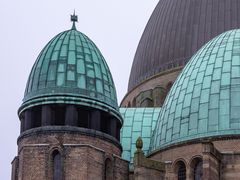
{"type": "Point", "coordinates": [57, 165]}
{"type": "Point", "coordinates": [134, 102]}
{"type": "Point", "coordinates": [147, 102]}
{"type": "Point", "coordinates": [108, 173]}
{"type": "Point", "coordinates": [198, 170]}
{"type": "Point", "coordinates": [181, 172]}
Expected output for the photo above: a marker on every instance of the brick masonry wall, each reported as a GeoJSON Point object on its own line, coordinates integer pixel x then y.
{"type": "Point", "coordinates": [228, 145]}
{"type": "Point", "coordinates": [83, 157]}
{"type": "Point", "coordinates": [184, 153]}
{"type": "Point", "coordinates": [57, 139]}
{"type": "Point", "coordinates": [121, 170]}
{"type": "Point", "coordinates": [174, 155]}
{"type": "Point", "coordinates": [230, 162]}
{"type": "Point", "coordinates": [142, 173]}
{"type": "Point", "coordinates": [210, 167]}
{"type": "Point", "coordinates": [228, 167]}
{"type": "Point", "coordinates": [33, 163]}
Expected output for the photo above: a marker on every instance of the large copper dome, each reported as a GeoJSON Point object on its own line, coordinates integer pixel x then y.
{"type": "Point", "coordinates": [176, 30]}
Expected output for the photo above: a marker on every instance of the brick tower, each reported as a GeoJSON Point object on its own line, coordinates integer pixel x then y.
{"type": "Point", "coordinates": [70, 121]}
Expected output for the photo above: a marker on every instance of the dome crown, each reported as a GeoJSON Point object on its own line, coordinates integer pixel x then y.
{"type": "Point", "coordinates": [70, 69]}
{"type": "Point", "coordinates": [205, 99]}
{"type": "Point", "coordinates": [175, 31]}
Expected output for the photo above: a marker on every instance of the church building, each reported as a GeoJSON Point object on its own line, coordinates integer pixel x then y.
{"type": "Point", "coordinates": [179, 120]}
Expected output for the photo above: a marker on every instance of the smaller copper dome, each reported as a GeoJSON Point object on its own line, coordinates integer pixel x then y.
{"type": "Point", "coordinates": [71, 70]}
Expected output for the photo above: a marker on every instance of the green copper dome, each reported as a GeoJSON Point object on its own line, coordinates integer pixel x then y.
{"type": "Point", "coordinates": [204, 101]}
{"type": "Point", "coordinates": [71, 70]}
{"type": "Point", "coordinates": [138, 122]}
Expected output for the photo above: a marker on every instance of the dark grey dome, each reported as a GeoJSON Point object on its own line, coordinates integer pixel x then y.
{"type": "Point", "coordinates": [176, 30]}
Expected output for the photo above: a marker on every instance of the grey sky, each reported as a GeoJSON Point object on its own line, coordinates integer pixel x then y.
{"type": "Point", "coordinates": [27, 26]}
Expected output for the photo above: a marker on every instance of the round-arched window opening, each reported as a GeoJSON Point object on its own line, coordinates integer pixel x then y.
{"type": "Point", "coordinates": [57, 165]}
{"type": "Point", "coordinates": [134, 102]}
{"type": "Point", "coordinates": [108, 173]}
{"type": "Point", "coordinates": [198, 170]}
{"type": "Point", "coordinates": [181, 171]}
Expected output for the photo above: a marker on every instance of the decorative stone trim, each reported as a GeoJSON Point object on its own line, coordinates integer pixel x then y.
{"type": "Point", "coordinates": [194, 141]}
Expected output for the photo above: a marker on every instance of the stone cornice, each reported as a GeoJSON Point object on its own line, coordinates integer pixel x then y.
{"type": "Point", "coordinates": [47, 130]}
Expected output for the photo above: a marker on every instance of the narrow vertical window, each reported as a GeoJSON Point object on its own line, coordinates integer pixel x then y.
{"type": "Point", "coordinates": [57, 166]}
{"type": "Point", "coordinates": [181, 171]}
{"type": "Point", "coordinates": [134, 102]}
{"type": "Point", "coordinates": [198, 170]}
{"type": "Point", "coordinates": [108, 173]}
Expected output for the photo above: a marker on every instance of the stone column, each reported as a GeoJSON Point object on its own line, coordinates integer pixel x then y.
{"type": "Point", "coordinates": [28, 124]}
{"type": "Point", "coordinates": [188, 172]}
{"type": "Point", "coordinates": [169, 174]}
{"type": "Point", "coordinates": [159, 95]}
{"type": "Point", "coordinates": [211, 161]}
{"type": "Point", "coordinates": [113, 127]}
{"type": "Point", "coordinates": [22, 124]}
{"type": "Point", "coordinates": [46, 115]}
{"type": "Point", "coordinates": [71, 116]}
{"type": "Point", "coordinates": [95, 120]}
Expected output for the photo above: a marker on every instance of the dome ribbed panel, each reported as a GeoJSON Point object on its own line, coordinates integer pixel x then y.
{"type": "Point", "coordinates": [204, 101]}
{"type": "Point", "coordinates": [71, 68]}
{"type": "Point", "coordinates": [176, 30]}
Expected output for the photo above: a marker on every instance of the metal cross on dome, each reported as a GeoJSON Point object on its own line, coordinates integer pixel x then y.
{"type": "Point", "coordinates": [74, 18]}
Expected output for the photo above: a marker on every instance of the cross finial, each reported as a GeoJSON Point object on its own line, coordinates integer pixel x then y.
{"type": "Point", "coordinates": [74, 18]}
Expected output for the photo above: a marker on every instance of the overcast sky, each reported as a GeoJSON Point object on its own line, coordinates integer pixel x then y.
{"type": "Point", "coordinates": [27, 26]}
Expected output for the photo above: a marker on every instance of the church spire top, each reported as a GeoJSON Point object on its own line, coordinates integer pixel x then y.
{"type": "Point", "coordinates": [74, 18]}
